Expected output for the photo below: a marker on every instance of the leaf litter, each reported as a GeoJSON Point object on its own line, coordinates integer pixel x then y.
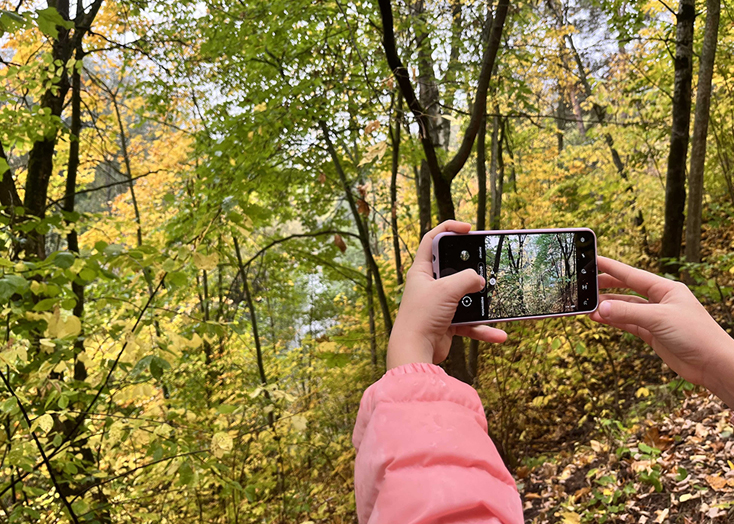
{"type": "Point", "coordinates": [678, 469]}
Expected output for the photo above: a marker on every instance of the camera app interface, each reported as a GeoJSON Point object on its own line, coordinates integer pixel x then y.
{"type": "Point", "coordinates": [527, 274]}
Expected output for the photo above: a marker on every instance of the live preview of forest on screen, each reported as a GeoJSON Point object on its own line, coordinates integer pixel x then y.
{"type": "Point", "coordinates": [535, 274]}
{"type": "Point", "coordinates": [209, 210]}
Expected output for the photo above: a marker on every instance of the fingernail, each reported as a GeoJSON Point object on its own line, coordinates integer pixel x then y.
{"type": "Point", "coordinates": [605, 309]}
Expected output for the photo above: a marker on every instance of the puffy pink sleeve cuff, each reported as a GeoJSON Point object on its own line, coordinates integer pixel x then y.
{"type": "Point", "coordinates": [424, 456]}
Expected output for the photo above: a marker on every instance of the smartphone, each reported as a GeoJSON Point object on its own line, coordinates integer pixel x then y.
{"type": "Point", "coordinates": [530, 273]}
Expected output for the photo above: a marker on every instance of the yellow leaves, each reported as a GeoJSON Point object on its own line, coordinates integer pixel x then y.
{"type": "Point", "coordinates": [206, 263]}
{"type": "Point", "coordinates": [570, 517]}
{"type": "Point", "coordinates": [59, 327]}
{"type": "Point", "coordinates": [642, 392]}
{"type": "Point", "coordinates": [299, 422]}
{"type": "Point", "coordinates": [45, 422]}
{"type": "Point", "coordinates": [221, 444]}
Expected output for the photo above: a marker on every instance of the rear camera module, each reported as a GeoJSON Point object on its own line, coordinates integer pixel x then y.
{"type": "Point", "coordinates": [464, 255]}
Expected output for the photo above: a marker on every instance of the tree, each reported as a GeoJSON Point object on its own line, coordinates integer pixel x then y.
{"type": "Point", "coordinates": [700, 132]}
{"type": "Point", "coordinates": [675, 181]}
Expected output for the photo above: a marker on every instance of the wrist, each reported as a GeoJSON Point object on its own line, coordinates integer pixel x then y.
{"type": "Point", "coordinates": [404, 348]}
{"type": "Point", "coordinates": [721, 379]}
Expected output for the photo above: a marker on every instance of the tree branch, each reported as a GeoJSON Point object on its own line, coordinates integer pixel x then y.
{"type": "Point", "coordinates": [452, 168]}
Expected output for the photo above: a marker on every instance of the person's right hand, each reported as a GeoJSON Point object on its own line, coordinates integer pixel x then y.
{"type": "Point", "coordinates": [672, 321]}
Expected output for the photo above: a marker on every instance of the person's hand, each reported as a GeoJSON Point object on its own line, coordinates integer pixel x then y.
{"type": "Point", "coordinates": [423, 331]}
{"type": "Point", "coordinates": [672, 321]}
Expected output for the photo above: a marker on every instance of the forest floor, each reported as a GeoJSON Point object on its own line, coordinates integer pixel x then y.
{"type": "Point", "coordinates": [675, 469]}
{"type": "Point", "coordinates": [671, 462]}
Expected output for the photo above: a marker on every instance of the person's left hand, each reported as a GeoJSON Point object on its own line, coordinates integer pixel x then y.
{"type": "Point", "coordinates": [423, 330]}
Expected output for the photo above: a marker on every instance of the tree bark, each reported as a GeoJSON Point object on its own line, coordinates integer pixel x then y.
{"type": "Point", "coordinates": [497, 184]}
{"type": "Point", "coordinates": [371, 318]}
{"type": "Point", "coordinates": [700, 132]}
{"type": "Point", "coordinates": [395, 137]}
{"type": "Point", "coordinates": [675, 187]}
{"type": "Point", "coordinates": [40, 158]}
{"type": "Point", "coordinates": [80, 372]}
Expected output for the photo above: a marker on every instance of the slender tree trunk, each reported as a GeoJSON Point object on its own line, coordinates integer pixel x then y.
{"type": "Point", "coordinates": [371, 315]}
{"type": "Point", "coordinates": [395, 136]}
{"type": "Point", "coordinates": [495, 213]}
{"type": "Point", "coordinates": [496, 174]}
{"type": "Point", "coordinates": [700, 132]}
{"type": "Point", "coordinates": [362, 230]}
{"type": "Point", "coordinates": [560, 121]}
{"type": "Point", "coordinates": [675, 187]}
{"type": "Point", "coordinates": [600, 114]}
{"type": "Point", "coordinates": [80, 372]}
{"type": "Point", "coordinates": [577, 113]}
{"type": "Point", "coordinates": [482, 177]}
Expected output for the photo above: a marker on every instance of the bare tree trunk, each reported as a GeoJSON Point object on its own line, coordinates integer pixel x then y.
{"type": "Point", "coordinates": [395, 136]}
{"type": "Point", "coordinates": [700, 132]}
{"type": "Point", "coordinates": [577, 113]}
{"type": "Point", "coordinates": [675, 187]}
{"type": "Point", "coordinates": [371, 315]}
{"type": "Point", "coordinates": [560, 121]}
{"type": "Point", "coordinates": [495, 213]}
{"type": "Point", "coordinates": [80, 372]}
{"type": "Point", "coordinates": [496, 173]}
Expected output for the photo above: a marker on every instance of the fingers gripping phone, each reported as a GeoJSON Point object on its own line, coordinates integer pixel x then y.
{"type": "Point", "coordinates": [530, 273]}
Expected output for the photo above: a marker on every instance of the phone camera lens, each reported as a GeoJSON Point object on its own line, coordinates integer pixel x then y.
{"type": "Point", "coordinates": [464, 255]}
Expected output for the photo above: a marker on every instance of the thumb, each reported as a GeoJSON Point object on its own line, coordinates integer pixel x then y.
{"type": "Point", "coordinates": [623, 312]}
{"type": "Point", "coordinates": [460, 284]}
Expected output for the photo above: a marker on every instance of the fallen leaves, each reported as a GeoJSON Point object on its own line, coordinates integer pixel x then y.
{"type": "Point", "coordinates": [690, 453]}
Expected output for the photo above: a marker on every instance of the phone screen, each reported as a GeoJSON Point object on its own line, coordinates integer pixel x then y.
{"type": "Point", "coordinates": [527, 274]}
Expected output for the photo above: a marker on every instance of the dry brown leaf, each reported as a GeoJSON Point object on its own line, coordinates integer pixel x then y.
{"type": "Point", "coordinates": [372, 126]}
{"type": "Point", "coordinates": [363, 207]}
{"type": "Point", "coordinates": [339, 242]}
{"type": "Point", "coordinates": [661, 515]}
{"type": "Point", "coordinates": [716, 482]}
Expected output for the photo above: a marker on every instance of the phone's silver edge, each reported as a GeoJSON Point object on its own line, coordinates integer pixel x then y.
{"type": "Point", "coordinates": [434, 249]}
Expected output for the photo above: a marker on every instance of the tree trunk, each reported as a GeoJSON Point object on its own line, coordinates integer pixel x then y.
{"type": "Point", "coordinates": [395, 136]}
{"type": "Point", "coordinates": [371, 315]}
{"type": "Point", "coordinates": [361, 229]}
{"type": "Point", "coordinates": [560, 121]}
{"type": "Point", "coordinates": [496, 173]}
{"type": "Point", "coordinates": [675, 187]}
{"type": "Point", "coordinates": [80, 372]}
{"type": "Point", "coordinates": [700, 132]}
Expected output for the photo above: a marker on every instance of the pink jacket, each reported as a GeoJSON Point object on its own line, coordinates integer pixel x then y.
{"type": "Point", "coordinates": [424, 456]}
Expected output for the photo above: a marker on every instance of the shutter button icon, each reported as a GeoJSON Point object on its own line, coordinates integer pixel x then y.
{"type": "Point", "coordinates": [466, 301]}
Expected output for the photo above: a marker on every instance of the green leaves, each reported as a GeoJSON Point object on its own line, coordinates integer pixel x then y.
{"type": "Point", "coordinates": [153, 363]}
{"type": "Point", "coordinates": [49, 20]}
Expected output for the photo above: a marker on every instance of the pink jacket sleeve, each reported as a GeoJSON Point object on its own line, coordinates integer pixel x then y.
{"type": "Point", "coordinates": [424, 456]}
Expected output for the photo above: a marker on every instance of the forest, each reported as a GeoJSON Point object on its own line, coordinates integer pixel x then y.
{"type": "Point", "coordinates": [208, 209]}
